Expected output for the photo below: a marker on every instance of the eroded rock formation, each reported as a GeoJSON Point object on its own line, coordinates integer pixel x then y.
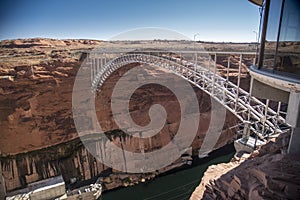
{"type": "Point", "coordinates": [38, 136]}
{"type": "Point", "coordinates": [266, 174]}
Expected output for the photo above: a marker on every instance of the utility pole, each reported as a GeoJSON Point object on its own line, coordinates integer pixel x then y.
{"type": "Point", "coordinates": [256, 39]}
{"type": "Point", "coordinates": [195, 55]}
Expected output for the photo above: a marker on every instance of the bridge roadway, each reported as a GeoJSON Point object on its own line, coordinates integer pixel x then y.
{"type": "Point", "coordinates": [258, 121]}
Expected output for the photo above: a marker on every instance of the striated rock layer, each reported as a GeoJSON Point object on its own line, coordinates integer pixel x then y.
{"type": "Point", "coordinates": [38, 136]}
{"type": "Point", "coordinates": [265, 174]}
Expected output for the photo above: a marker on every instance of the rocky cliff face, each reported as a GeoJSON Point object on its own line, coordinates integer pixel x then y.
{"type": "Point", "coordinates": [266, 174]}
{"type": "Point", "coordinates": [38, 136]}
{"type": "Point", "coordinates": [36, 80]}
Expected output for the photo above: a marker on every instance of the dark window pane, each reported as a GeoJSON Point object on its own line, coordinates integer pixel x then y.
{"type": "Point", "coordinates": [288, 58]}
{"type": "Point", "coordinates": [272, 34]}
{"type": "Point", "coordinates": [273, 20]}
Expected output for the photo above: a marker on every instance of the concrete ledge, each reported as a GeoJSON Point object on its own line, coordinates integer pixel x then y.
{"type": "Point", "coordinates": [282, 82]}
{"type": "Point", "coordinates": [242, 145]}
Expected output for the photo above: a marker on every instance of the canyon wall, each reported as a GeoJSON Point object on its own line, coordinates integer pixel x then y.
{"type": "Point", "coordinates": [38, 136]}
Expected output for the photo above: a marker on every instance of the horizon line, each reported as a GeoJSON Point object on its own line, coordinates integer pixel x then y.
{"type": "Point", "coordinates": [127, 40]}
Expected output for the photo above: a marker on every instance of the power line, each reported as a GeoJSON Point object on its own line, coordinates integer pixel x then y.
{"type": "Point", "coordinates": [185, 195]}
{"type": "Point", "coordinates": [160, 194]}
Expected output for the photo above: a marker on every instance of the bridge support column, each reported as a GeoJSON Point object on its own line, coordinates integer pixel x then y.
{"type": "Point", "coordinates": [293, 118]}
{"type": "Point", "coordinates": [245, 144]}
{"type": "Point", "coordinates": [246, 131]}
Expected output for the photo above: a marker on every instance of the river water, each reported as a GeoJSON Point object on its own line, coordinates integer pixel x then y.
{"type": "Point", "coordinates": [176, 185]}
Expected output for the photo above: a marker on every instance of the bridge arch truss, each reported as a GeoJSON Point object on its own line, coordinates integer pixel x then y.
{"type": "Point", "coordinates": [257, 118]}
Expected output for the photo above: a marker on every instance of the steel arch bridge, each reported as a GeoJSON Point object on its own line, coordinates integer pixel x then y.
{"type": "Point", "coordinates": [258, 121]}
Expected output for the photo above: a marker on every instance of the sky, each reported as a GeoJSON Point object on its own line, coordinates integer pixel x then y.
{"type": "Point", "coordinates": [211, 20]}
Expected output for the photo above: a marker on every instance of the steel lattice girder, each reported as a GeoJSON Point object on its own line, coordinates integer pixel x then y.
{"type": "Point", "coordinates": [236, 100]}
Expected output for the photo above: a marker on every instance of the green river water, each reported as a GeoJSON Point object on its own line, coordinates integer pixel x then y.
{"type": "Point", "coordinates": [176, 185]}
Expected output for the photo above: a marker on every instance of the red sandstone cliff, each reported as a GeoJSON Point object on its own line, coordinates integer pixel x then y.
{"type": "Point", "coordinates": [266, 174]}
{"type": "Point", "coordinates": [36, 80]}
